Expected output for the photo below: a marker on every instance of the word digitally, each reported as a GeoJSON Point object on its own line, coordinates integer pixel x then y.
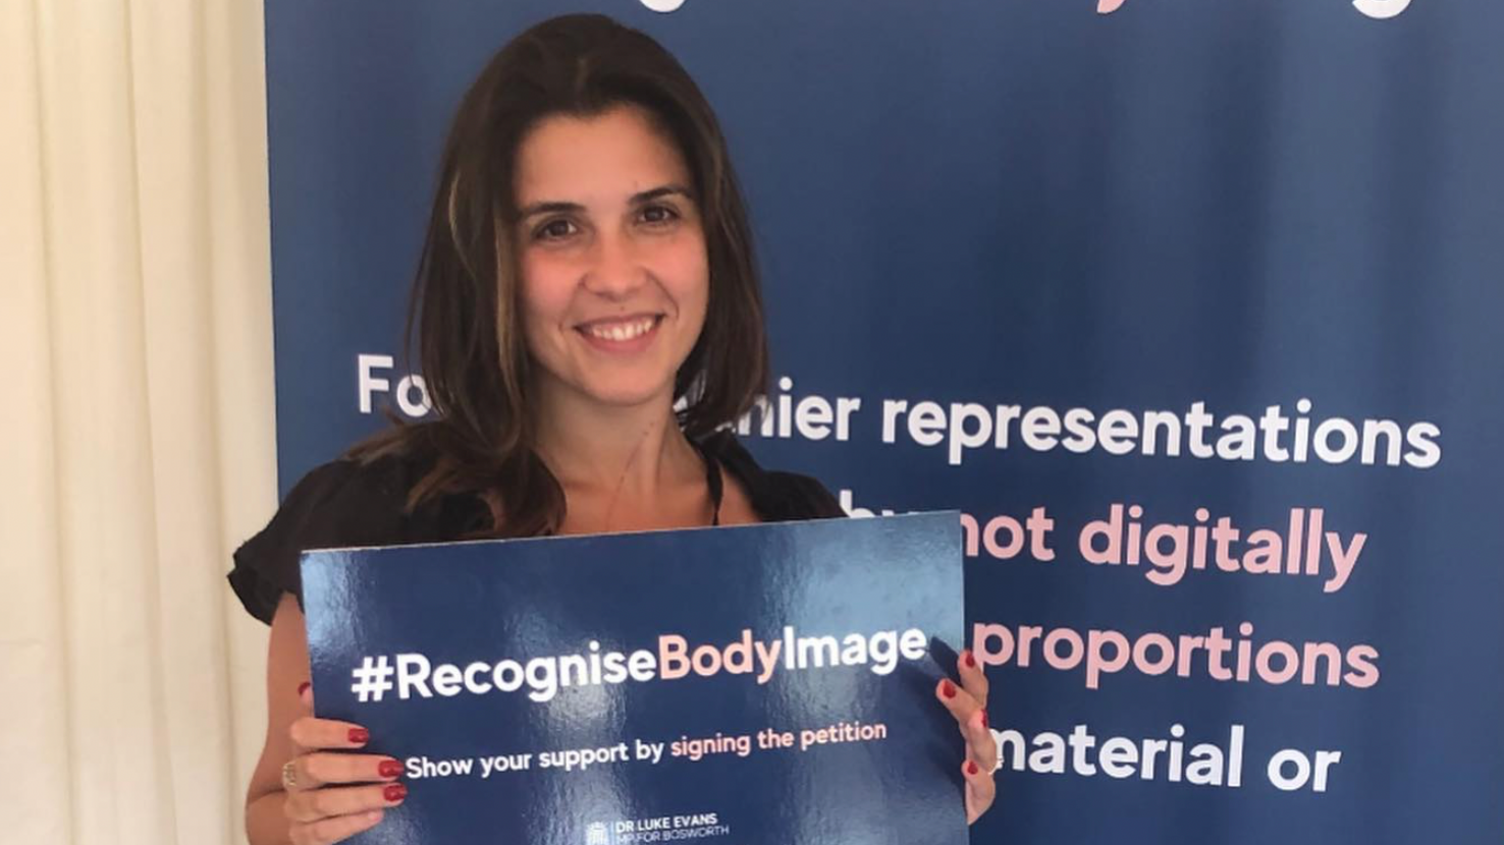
{"type": "Point", "coordinates": [1171, 550]}
{"type": "Point", "coordinates": [414, 675]}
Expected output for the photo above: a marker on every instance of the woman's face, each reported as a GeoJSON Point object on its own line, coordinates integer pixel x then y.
{"type": "Point", "coordinates": [614, 274]}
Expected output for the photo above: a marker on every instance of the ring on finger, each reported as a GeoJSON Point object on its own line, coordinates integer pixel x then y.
{"type": "Point", "coordinates": [289, 776]}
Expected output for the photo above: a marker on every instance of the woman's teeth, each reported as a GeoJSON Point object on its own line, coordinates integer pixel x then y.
{"type": "Point", "coordinates": [622, 331]}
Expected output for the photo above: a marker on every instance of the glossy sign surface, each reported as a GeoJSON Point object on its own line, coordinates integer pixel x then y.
{"type": "Point", "coordinates": [732, 686]}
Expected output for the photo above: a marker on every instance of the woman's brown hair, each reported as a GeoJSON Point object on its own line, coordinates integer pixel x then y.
{"type": "Point", "coordinates": [463, 314]}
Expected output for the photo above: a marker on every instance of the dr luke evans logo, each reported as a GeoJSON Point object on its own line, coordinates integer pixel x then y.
{"type": "Point", "coordinates": [656, 829]}
{"type": "Point", "coordinates": [1379, 9]}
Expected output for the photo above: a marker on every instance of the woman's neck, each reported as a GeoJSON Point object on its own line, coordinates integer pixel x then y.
{"type": "Point", "coordinates": [630, 453]}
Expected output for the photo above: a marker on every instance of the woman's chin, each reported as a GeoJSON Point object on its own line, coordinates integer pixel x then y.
{"type": "Point", "coordinates": [627, 395]}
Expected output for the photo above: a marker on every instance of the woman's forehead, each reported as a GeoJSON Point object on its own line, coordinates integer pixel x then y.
{"type": "Point", "coordinates": [599, 159]}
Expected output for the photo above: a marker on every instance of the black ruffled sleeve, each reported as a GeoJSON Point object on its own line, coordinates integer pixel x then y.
{"type": "Point", "coordinates": [339, 504]}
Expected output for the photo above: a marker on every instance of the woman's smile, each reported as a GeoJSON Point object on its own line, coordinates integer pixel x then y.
{"type": "Point", "coordinates": [621, 335]}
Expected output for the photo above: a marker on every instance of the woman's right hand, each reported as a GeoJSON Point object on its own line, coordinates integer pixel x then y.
{"type": "Point", "coordinates": [334, 793]}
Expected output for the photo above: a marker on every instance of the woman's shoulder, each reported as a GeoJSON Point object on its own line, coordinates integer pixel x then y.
{"type": "Point", "coordinates": [350, 501]}
{"type": "Point", "coordinates": [775, 495]}
{"type": "Point", "coordinates": [347, 502]}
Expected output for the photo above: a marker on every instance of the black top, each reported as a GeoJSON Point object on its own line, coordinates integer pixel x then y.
{"type": "Point", "coordinates": [344, 503]}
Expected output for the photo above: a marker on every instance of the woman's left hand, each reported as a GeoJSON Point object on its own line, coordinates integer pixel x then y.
{"type": "Point", "coordinates": [968, 703]}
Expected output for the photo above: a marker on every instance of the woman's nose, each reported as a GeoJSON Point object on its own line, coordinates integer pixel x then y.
{"type": "Point", "coordinates": [618, 268]}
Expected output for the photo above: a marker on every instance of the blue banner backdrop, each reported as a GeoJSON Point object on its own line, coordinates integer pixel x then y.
{"type": "Point", "coordinates": [1190, 307]}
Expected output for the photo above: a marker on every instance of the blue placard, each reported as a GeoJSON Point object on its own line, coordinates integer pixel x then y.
{"type": "Point", "coordinates": [753, 684]}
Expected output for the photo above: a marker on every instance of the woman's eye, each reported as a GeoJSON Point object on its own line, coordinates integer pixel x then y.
{"type": "Point", "coordinates": [658, 214]}
{"type": "Point", "coordinates": [554, 230]}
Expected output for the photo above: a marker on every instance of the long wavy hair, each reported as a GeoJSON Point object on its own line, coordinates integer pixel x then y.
{"type": "Point", "coordinates": [464, 312]}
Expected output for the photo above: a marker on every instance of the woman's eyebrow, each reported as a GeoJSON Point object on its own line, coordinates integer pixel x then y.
{"type": "Point", "coordinates": [559, 206]}
{"type": "Point", "coordinates": [662, 191]}
{"type": "Point", "coordinates": [548, 207]}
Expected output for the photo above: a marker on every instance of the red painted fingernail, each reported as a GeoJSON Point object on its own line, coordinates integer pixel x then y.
{"type": "Point", "coordinates": [359, 736]}
{"type": "Point", "coordinates": [948, 689]}
{"type": "Point", "coordinates": [971, 768]}
{"type": "Point", "coordinates": [389, 768]}
{"type": "Point", "coordinates": [984, 719]}
{"type": "Point", "coordinates": [971, 662]}
{"type": "Point", "coordinates": [302, 688]}
{"type": "Point", "coordinates": [394, 792]}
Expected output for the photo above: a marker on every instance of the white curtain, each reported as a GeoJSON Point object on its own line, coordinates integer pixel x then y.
{"type": "Point", "coordinates": [136, 428]}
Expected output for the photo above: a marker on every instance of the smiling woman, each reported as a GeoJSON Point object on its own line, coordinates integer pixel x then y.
{"type": "Point", "coordinates": [587, 264]}
{"type": "Point", "coordinates": [614, 275]}
{"type": "Point", "coordinates": [586, 272]}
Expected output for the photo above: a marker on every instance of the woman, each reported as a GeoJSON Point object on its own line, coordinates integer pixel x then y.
{"type": "Point", "coordinates": [587, 266]}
